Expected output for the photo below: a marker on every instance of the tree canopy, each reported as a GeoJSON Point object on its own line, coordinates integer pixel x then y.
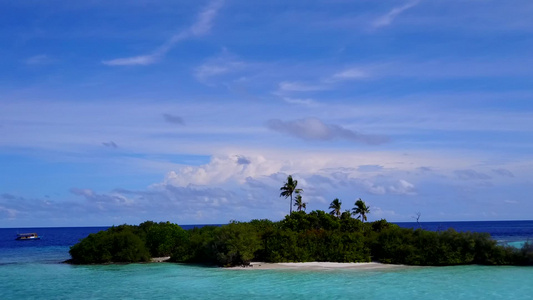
{"type": "Point", "coordinates": [361, 210]}
{"type": "Point", "coordinates": [288, 189]}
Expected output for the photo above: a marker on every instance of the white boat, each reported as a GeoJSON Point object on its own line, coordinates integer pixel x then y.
{"type": "Point", "coordinates": [27, 236]}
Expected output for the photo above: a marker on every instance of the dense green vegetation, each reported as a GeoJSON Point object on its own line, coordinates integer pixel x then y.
{"type": "Point", "coordinates": [126, 243]}
{"type": "Point", "coordinates": [300, 237]}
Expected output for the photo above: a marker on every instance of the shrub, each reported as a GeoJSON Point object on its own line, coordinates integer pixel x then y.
{"type": "Point", "coordinates": [165, 238]}
{"type": "Point", "coordinates": [117, 244]}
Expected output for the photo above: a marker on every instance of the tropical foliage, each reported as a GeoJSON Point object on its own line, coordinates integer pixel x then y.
{"type": "Point", "coordinates": [335, 207]}
{"type": "Point", "coordinates": [289, 188]}
{"type": "Point", "coordinates": [361, 210]}
{"type": "Point", "coordinates": [299, 203]}
{"type": "Point", "coordinates": [300, 237]}
{"type": "Point", "coordinates": [117, 244]}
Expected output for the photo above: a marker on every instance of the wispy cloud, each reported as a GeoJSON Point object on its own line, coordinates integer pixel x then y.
{"type": "Point", "coordinates": [173, 119]}
{"type": "Point", "coordinates": [471, 175]}
{"type": "Point", "coordinates": [141, 60]}
{"type": "Point", "coordinates": [349, 74]}
{"type": "Point", "coordinates": [387, 19]}
{"type": "Point", "coordinates": [41, 59]}
{"type": "Point", "coordinates": [110, 144]}
{"type": "Point", "coordinates": [201, 27]}
{"type": "Point", "coordinates": [315, 129]}
{"type": "Point", "coordinates": [288, 86]}
{"type": "Point", "coordinates": [102, 199]}
{"type": "Point", "coordinates": [503, 172]}
{"type": "Point", "coordinates": [222, 64]}
{"type": "Point", "coordinates": [325, 83]}
{"type": "Point", "coordinates": [299, 101]}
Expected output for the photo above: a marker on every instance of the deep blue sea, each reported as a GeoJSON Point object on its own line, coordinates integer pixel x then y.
{"type": "Point", "coordinates": [34, 270]}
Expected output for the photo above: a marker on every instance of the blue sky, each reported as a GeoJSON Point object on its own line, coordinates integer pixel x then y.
{"type": "Point", "coordinates": [196, 112]}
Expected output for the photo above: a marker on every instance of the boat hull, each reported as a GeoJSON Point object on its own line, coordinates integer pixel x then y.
{"type": "Point", "coordinates": [27, 237]}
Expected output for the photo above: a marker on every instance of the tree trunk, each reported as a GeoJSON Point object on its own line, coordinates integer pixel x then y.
{"type": "Point", "coordinates": [290, 208]}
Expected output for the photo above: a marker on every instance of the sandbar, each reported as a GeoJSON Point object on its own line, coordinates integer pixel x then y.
{"type": "Point", "coordinates": [160, 259]}
{"type": "Point", "coordinates": [321, 266]}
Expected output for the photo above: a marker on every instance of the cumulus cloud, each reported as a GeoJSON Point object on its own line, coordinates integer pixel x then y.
{"type": "Point", "coordinates": [471, 175]}
{"type": "Point", "coordinates": [382, 186]}
{"type": "Point", "coordinates": [371, 187]}
{"type": "Point", "coordinates": [388, 18]}
{"type": "Point", "coordinates": [173, 119]}
{"type": "Point", "coordinates": [315, 129]}
{"type": "Point", "coordinates": [402, 187]}
{"type": "Point", "coordinates": [14, 207]}
{"type": "Point", "coordinates": [241, 160]}
{"type": "Point", "coordinates": [369, 168]}
{"type": "Point", "coordinates": [201, 27]}
{"type": "Point", "coordinates": [219, 191]}
{"type": "Point", "coordinates": [221, 169]}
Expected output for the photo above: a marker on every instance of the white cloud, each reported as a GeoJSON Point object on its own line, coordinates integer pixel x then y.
{"type": "Point", "coordinates": [403, 187]}
{"type": "Point", "coordinates": [306, 101]}
{"type": "Point", "coordinates": [393, 14]}
{"type": "Point", "coordinates": [141, 60]}
{"type": "Point", "coordinates": [201, 27]}
{"type": "Point", "coordinates": [221, 169]}
{"type": "Point", "coordinates": [329, 82]}
{"type": "Point", "coordinates": [205, 19]}
{"type": "Point", "coordinates": [222, 64]}
{"type": "Point", "coordinates": [371, 187]}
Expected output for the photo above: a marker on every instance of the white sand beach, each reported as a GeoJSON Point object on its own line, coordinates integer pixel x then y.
{"type": "Point", "coordinates": [320, 266]}
{"type": "Point", "coordinates": [160, 259]}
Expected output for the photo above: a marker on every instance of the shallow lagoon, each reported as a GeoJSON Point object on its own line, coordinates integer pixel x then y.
{"type": "Point", "coordinates": [175, 281]}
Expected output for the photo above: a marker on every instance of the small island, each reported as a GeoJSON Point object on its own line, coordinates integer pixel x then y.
{"type": "Point", "coordinates": [301, 237]}
{"type": "Point", "coordinates": [317, 236]}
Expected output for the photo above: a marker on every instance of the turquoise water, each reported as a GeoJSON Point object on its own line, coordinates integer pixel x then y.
{"type": "Point", "coordinates": [176, 281]}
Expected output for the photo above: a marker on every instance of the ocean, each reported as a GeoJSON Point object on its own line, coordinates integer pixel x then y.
{"type": "Point", "coordinates": [34, 270]}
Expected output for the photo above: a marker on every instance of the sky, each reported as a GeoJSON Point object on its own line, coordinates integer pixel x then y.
{"type": "Point", "coordinates": [195, 112]}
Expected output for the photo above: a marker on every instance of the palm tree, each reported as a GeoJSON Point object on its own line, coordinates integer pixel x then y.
{"type": "Point", "coordinates": [336, 208]}
{"type": "Point", "coordinates": [361, 209]}
{"type": "Point", "coordinates": [288, 189]}
{"type": "Point", "coordinates": [299, 203]}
